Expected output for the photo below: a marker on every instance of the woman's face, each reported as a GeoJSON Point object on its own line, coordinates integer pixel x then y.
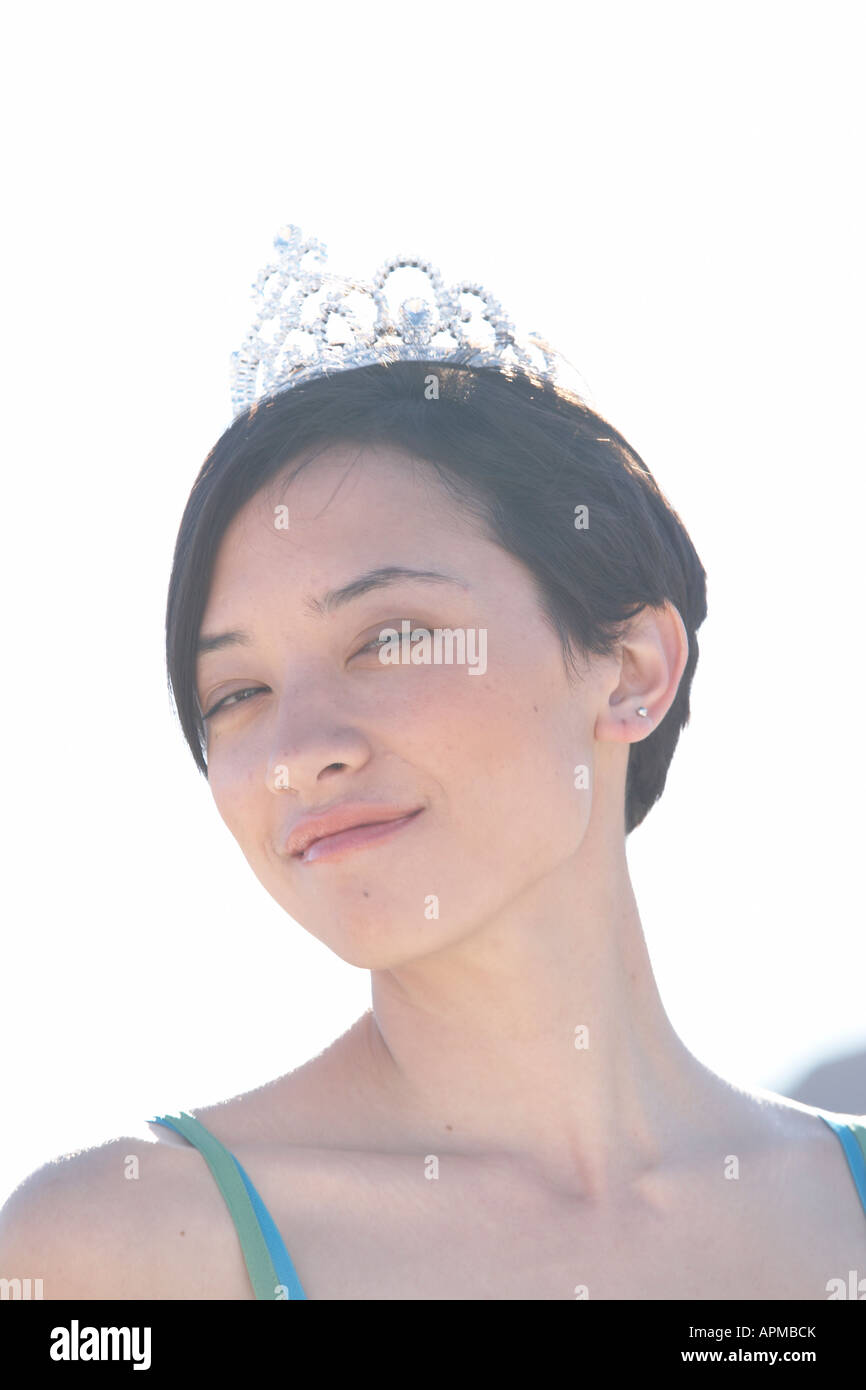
{"type": "Point", "coordinates": [487, 754]}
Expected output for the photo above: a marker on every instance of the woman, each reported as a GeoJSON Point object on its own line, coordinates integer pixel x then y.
{"type": "Point", "coordinates": [515, 1117]}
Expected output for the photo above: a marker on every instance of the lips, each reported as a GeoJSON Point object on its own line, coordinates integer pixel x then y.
{"type": "Point", "coordinates": [346, 817]}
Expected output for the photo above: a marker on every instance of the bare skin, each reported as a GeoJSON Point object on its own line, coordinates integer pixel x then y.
{"type": "Point", "coordinates": [343, 1175]}
{"type": "Point", "coordinates": [604, 1169]}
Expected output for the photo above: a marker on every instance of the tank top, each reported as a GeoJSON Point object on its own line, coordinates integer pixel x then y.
{"type": "Point", "coordinates": [272, 1274]}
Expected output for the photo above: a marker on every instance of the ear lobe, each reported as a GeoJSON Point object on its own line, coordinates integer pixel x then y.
{"type": "Point", "coordinates": [622, 724]}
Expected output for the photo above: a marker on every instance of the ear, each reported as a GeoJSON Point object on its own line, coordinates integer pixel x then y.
{"type": "Point", "coordinates": [654, 655]}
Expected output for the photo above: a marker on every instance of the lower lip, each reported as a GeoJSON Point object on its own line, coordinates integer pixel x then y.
{"type": "Point", "coordinates": [332, 845]}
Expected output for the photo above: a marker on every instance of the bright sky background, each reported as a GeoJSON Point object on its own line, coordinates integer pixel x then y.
{"type": "Point", "coordinates": [673, 194]}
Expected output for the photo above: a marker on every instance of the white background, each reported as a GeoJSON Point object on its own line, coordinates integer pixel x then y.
{"type": "Point", "coordinates": [672, 193]}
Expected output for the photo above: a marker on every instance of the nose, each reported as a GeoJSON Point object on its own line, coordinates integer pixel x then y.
{"type": "Point", "coordinates": [320, 751]}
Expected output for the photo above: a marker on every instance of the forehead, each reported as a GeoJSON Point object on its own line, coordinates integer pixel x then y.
{"type": "Point", "coordinates": [350, 504]}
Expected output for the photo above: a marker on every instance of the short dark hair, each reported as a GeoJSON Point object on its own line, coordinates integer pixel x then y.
{"type": "Point", "coordinates": [520, 453]}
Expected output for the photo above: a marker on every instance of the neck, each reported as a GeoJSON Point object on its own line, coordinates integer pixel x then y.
{"type": "Point", "coordinates": [541, 1036]}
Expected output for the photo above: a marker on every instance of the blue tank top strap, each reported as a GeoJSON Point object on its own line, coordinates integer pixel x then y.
{"type": "Point", "coordinates": [268, 1262]}
{"type": "Point", "coordinates": [851, 1132]}
{"type": "Point", "coordinates": [286, 1272]}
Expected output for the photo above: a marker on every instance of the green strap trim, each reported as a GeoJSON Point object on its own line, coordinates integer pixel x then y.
{"type": "Point", "coordinates": [256, 1254]}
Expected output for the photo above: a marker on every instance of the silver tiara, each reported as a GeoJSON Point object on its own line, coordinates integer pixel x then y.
{"type": "Point", "coordinates": [311, 322]}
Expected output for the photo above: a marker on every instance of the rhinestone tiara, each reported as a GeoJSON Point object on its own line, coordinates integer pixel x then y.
{"type": "Point", "coordinates": [311, 322]}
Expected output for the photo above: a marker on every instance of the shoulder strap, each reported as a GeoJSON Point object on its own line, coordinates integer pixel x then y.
{"type": "Point", "coordinates": [266, 1257]}
{"type": "Point", "coordinates": [851, 1132]}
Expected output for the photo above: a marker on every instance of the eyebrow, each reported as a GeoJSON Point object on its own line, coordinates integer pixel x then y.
{"type": "Point", "coordinates": [335, 598]}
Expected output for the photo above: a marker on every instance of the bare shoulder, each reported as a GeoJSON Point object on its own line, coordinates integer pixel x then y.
{"type": "Point", "coordinates": [803, 1162]}
{"type": "Point", "coordinates": [800, 1139]}
{"type": "Point", "coordinates": [130, 1218]}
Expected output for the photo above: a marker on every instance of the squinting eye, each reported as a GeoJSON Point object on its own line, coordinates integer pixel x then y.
{"type": "Point", "coordinates": [393, 627]}
{"type": "Point", "coordinates": [235, 695]}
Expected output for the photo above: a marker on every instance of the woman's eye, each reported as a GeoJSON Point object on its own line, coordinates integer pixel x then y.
{"type": "Point", "coordinates": [226, 701]}
{"type": "Point", "coordinates": [395, 626]}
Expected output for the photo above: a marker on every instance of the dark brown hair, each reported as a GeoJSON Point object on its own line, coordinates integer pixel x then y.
{"type": "Point", "coordinates": [518, 453]}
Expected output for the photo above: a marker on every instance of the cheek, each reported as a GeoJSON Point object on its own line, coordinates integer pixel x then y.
{"type": "Point", "coordinates": [513, 754]}
{"type": "Point", "coordinates": [238, 795]}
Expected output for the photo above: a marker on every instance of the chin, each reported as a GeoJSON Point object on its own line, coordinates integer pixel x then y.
{"type": "Point", "coordinates": [367, 939]}
{"type": "Point", "coordinates": [375, 949]}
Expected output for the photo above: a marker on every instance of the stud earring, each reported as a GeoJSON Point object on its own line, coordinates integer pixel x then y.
{"type": "Point", "coordinates": [642, 711]}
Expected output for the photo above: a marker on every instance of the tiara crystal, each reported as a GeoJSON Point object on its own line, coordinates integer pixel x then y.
{"type": "Point", "coordinates": [311, 322]}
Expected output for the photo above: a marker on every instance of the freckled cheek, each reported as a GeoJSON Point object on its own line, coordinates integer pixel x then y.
{"type": "Point", "coordinates": [453, 710]}
{"type": "Point", "coordinates": [479, 738]}
{"type": "Point", "coordinates": [238, 791]}
{"type": "Point", "coordinates": [516, 740]}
